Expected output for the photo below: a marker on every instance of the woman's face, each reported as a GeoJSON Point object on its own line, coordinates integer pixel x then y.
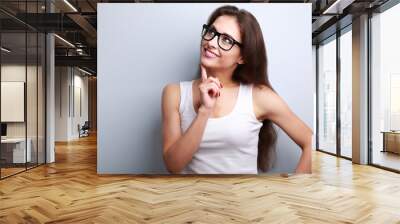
{"type": "Point", "coordinates": [212, 56]}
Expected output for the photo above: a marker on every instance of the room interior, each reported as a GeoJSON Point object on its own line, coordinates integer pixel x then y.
{"type": "Point", "coordinates": [48, 171]}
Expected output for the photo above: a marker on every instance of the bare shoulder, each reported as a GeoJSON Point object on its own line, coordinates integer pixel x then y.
{"type": "Point", "coordinates": [171, 94]}
{"type": "Point", "coordinates": [264, 95]}
{"type": "Point", "coordinates": [262, 91]}
{"type": "Point", "coordinates": [171, 88]}
{"type": "Point", "coordinates": [266, 101]}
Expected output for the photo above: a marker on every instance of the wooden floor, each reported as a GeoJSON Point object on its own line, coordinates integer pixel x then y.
{"type": "Point", "coordinates": [70, 191]}
{"type": "Point", "coordinates": [388, 159]}
{"type": "Point", "coordinates": [5, 172]}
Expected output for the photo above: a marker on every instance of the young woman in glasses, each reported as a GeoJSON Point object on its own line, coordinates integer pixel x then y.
{"type": "Point", "coordinates": [221, 123]}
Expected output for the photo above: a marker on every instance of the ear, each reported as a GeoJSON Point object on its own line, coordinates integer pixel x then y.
{"type": "Point", "coordinates": [240, 61]}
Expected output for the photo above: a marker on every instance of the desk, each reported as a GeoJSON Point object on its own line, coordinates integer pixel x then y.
{"type": "Point", "coordinates": [391, 141]}
{"type": "Point", "coordinates": [17, 150]}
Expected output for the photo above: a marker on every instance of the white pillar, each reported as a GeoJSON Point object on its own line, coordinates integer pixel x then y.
{"type": "Point", "coordinates": [50, 93]}
{"type": "Point", "coordinates": [360, 90]}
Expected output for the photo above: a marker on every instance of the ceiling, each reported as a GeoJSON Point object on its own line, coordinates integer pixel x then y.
{"type": "Point", "coordinates": [76, 22]}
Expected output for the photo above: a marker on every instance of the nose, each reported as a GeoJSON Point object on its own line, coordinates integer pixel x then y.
{"type": "Point", "coordinates": [213, 43]}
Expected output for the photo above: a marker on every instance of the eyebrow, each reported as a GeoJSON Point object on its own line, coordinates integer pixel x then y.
{"type": "Point", "coordinates": [213, 27]}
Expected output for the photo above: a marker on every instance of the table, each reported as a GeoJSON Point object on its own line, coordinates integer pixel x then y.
{"type": "Point", "coordinates": [391, 141]}
{"type": "Point", "coordinates": [17, 150]}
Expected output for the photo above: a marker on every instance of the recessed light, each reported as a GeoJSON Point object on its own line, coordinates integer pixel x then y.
{"type": "Point", "coordinates": [5, 50]}
{"type": "Point", "coordinates": [70, 5]}
{"type": "Point", "coordinates": [84, 71]}
{"type": "Point", "coordinates": [64, 40]}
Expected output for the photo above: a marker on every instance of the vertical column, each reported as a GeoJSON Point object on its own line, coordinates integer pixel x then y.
{"type": "Point", "coordinates": [50, 92]}
{"type": "Point", "coordinates": [360, 90]}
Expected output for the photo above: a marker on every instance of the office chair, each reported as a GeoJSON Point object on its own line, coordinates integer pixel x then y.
{"type": "Point", "coordinates": [84, 130]}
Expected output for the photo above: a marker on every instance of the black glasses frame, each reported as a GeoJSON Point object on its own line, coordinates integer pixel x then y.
{"type": "Point", "coordinates": [206, 28]}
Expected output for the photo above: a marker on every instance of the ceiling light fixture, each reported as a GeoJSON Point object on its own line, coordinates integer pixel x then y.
{"type": "Point", "coordinates": [337, 7]}
{"type": "Point", "coordinates": [5, 50]}
{"type": "Point", "coordinates": [65, 41]}
{"type": "Point", "coordinates": [70, 5]}
{"type": "Point", "coordinates": [84, 71]}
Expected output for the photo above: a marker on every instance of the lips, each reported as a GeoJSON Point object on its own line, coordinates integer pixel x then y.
{"type": "Point", "coordinates": [209, 53]}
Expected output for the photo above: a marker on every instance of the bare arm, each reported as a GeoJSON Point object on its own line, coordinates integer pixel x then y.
{"type": "Point", "coordinates": [275, 109]}
{"type": "Point", "coordinates": [178, 148]}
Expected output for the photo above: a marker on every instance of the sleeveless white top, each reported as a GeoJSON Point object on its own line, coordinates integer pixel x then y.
{"type": "Point", "coordinates": [229, 144]}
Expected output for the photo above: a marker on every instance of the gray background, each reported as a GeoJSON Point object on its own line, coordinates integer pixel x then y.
{"type": "Point", "coordinates": [144, 46]}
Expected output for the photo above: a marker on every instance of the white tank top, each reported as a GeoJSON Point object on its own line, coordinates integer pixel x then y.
{"type": "Point", "coordinates": [229, 144]}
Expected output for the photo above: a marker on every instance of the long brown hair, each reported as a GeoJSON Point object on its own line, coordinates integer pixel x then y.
{"type": "Point", "coordinates": [253, 71]}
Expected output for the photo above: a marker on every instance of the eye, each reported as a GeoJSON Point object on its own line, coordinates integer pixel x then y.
{"type": "Point", "coordinates": [210, 32]}
{"type": "Point", "coordinates": [226, 40]}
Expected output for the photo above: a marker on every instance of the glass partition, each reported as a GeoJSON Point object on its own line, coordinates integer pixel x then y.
{"type": "Point", "coordinates": [346, 93]}
{"type": "Point", "coordinates": [14, 153]}
{"type": "Point", "coordinates": [327, 95]}
{"type": "Point", "coordinates": [385, 89]}
{"type": "Point", "coordinates": [22, 77]}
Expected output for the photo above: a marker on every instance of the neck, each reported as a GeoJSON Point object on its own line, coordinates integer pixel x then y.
{"type": "Point", "coordinates": [225, 77]}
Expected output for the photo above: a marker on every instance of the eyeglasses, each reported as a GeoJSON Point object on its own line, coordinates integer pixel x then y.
{"type": "Point", "coordinates": [225, 42]}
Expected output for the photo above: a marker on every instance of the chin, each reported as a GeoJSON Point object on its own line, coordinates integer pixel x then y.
{"type": "Point", "coordinates": [208, 64]}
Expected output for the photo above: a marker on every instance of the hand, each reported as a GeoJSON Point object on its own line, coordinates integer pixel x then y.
{"type": "Point", "coordinates": [209, 90]}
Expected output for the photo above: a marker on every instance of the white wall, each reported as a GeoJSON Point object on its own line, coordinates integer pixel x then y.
{"type": "Point", "coordinates": [33, 126]}
{"type": "Point", "coordinates": [61, 103]}
{"type": "Point", "coordinates": [314, 69]}
{"type": "Point", "coordinates": [80, 83]}
{"type": "Point", "coordinates": [68, 81]}
{"type": "Point", "coordinates": [15, 72]}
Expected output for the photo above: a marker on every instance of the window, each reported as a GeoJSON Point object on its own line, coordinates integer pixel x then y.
{"type": "Point", "coordinates": [327, 96]}
{"type": "Point", "coordinates": [22, 77]}
{"type": "Point", "coordinates": [385, 88]}
{"type": "Point", "coordinates": [346, 93]}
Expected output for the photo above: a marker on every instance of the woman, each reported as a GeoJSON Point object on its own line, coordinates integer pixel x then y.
{"type": "Point", "coordinates": [221, 123]}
